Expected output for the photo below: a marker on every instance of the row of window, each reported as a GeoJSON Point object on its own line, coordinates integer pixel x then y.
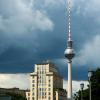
{"type": "Point", "coordinates": [41, 80]}
{"type": "Point", "coordinates": [49, 85]}
{"type": "Point", "coordinates": [42, 89]}
{"type": "Point", "coordinates": [42, 94]}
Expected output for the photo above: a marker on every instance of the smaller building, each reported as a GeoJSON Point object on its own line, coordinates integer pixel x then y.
{"type": "Point", "coordinates": [13, 90]}
{"type": "Point", "coordinates": [28, 95]}
{"type": "Point", "coordinates": [60, 94]}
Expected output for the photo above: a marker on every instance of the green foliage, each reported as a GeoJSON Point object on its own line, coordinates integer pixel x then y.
{"type": "Point", "coordinates": [95, 86]}
{"type": "Point", "coordinates": [16, 96]}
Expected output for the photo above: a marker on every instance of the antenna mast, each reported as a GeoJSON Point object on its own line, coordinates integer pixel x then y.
{"type": "Point", "coordinates": [69, 20]}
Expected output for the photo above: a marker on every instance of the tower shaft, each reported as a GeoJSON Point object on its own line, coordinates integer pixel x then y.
{"type": "Point", "coordinates": [69, 81]}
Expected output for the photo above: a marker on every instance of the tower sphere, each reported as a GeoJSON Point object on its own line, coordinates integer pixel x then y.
{"type": "Point", "coordinates": [69, 53]}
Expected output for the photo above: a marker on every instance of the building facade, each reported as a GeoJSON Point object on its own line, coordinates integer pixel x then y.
{"type": "Point", "coordinates": [13, 90]}
{"type": "Point", "coordinates": [45, 80]}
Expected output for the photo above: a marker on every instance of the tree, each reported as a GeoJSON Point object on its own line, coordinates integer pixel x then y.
{"type": "Point", "coordinates": [95, 86]}
{"type": "Point", "coordinates": [16, 96]}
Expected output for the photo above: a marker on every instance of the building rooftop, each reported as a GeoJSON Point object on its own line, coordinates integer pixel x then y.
{"type": "Point", "coordinates": [50, 63]}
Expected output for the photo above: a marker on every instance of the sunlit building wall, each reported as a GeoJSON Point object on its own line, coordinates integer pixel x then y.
{"type": "Point", "coordinates": [45, 80]}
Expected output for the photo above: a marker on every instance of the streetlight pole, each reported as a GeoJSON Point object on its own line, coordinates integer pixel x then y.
{"type": "Point", "coordinates": [90, 89]}
{"type": "Point", "coordinates": [76, 96]}
{"type": "Point", "coordinates": [89, 76]}
{"type": "Point", "coordinates": [81, 86]}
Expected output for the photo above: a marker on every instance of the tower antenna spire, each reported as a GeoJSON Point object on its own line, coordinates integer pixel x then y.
{"type": "Point", "coordinates": [69, 20]}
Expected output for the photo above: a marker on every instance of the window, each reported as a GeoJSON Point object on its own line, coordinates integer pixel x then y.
{"type": "Point", "coordinates": [33, 81]}
{"type": "Point", "coordinates": [33, 85]}
{"type": "Point", "coordinates": [49, 89]}
{"type": "Point", "coordinates": [49, 80]}
{"type": "Point", "coordinates": [49, 93]}
{"type": "Point", "coordinates": [32, 76]}
{"type": "Point", "coordinates": [49, 85]}
{"type": "Point", "coordinates": [49, 98]}
{"type": "Point", "coordinates": [32, 98]}
{"type": "Point", "coordinates": [33, 93]}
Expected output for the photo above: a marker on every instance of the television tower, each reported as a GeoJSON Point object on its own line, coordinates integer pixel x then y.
{"type": "Point", "coordinates": [69, 53]}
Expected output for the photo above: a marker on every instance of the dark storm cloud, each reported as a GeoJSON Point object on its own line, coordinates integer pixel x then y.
{"type": "Point", "coordinates": [35, 31]}
{"type": "Point", "coordinates": [18, 25]}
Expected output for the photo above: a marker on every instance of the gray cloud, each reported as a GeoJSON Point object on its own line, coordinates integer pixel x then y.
{"type": "Point", "coordinates": [19, 23]}
{"type": "Point", "coordinates": [19, 17]}
{"type": "Point", "coordinates": [19, 80]}
{"type": "Point", "coordinates": [33, 30]}
{"type": "Point", "coordinates": [89, 54]}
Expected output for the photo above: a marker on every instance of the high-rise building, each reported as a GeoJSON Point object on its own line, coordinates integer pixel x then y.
{"type": "Point", "coordinates": [46, 83]}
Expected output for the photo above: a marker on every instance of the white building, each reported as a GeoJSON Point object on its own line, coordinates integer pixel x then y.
{"type": "Point", "coordinates": [45, 81]}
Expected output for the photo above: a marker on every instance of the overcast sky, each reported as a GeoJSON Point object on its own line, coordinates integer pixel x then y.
{"type": "Point", "coordinates": [32, 31]}
{"type": "Point", "coordinates": [22, 81]}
